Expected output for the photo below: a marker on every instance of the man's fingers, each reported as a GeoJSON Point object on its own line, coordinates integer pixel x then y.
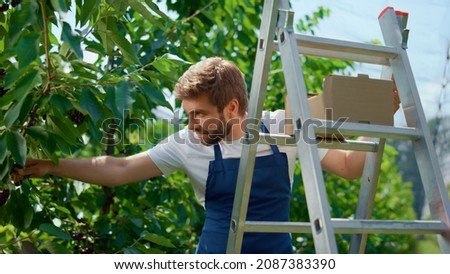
{"type": "Point", "coordinates": [31, 169]}
{"type": "Point", "coordinates": [31, 162]}
{"type": "Point", "coordinates": [396, 100]}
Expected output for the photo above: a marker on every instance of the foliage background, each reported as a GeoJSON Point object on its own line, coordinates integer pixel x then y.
{"type": "Point", "coordinates": [95, 86]}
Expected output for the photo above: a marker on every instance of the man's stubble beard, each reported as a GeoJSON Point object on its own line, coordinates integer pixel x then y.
{"type": "Point", "coordinates": [212, 137]}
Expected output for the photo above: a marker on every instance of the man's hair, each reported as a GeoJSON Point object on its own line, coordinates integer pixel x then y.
{"type": "Point", "coordinates": [220, 80]}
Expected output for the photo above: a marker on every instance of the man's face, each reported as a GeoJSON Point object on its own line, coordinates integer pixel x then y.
{"type": "Point", "coordinates": [206, 121]}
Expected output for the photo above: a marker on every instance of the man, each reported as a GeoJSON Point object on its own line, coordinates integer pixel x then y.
{"type": "Point", "coordinates": [214, 95]}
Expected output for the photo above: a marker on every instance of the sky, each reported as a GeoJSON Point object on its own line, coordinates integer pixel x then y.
{"type": "Point", "coordinates": [428, 43]}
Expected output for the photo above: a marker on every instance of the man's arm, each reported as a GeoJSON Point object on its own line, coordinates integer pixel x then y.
{"type": "Point", "coordinates": [344, 163]}
{"type": "Point", "coordinates": [102, 170]}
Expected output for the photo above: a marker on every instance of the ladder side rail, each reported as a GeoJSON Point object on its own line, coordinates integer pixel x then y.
{"type": "Point", "coordinates": [369, 182]}
{"type": "Point", "coordinates": [257, 95]}
{"type": "Point", "coordinates": [426, 157]}
{"type": "Point", "coordinates": [316, 196]}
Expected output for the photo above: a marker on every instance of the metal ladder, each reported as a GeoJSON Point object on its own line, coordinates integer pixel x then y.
{"type": "Point", "coordinates": [277, 21]}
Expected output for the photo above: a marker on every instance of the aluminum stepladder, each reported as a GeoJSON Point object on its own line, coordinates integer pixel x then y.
{"type": "Point", "coordinates": [277, 21]}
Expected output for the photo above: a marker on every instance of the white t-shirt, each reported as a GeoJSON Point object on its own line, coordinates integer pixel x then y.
{"type": "Point", "coordinates": [183, 151]}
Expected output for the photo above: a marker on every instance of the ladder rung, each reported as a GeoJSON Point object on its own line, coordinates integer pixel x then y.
{"type": "Point", "coordinates": [276, 139]}
{"type": "Point", "coordinates": [367, 146]}
{"type": "Point", "coordinates": [286, 140]}
{"type": "Point", "coordinates": [358, 129]}
{"type": "Point", "coordinates": [344, 226]}
{"type": "Point", "coordinates": [338, 49]}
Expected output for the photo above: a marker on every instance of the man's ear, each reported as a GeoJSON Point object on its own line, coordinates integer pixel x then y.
{"type": "Point", "coordinates": [232, 108]}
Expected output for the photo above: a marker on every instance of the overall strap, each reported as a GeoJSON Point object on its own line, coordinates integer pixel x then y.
{"type": "Point", "coordinates": [217, 152]}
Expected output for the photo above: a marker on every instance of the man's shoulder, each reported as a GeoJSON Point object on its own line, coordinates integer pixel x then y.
{"type": "Point", "coordinates": [275, 121]}
{"type": "Point", "coordinates": [185, 140]}
{"type": "Point", "coordinates": [273, 114]}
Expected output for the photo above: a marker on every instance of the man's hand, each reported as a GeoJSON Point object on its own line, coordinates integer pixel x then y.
{"type": "Point", "coordinates": [396, 97]}
{"type": "Point", "coordinates": [35, 168]}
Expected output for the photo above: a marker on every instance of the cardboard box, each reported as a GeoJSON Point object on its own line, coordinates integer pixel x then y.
{"type": "Point", "coordinates": [359, 99]}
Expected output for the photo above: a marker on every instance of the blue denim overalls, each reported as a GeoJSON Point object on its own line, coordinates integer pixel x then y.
{"type": "Point", "coordinates": [269, 201]}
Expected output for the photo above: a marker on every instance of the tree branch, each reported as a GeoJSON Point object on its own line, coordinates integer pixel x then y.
{"type": "Point", "coordinates": [46, 48]}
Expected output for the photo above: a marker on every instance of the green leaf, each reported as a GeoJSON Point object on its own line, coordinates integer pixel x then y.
{"type": "Point", "coordinates": [131, 250]}
{"type": "Point", "coordinates": [38, 133]}
{"type": "Point", "coordinates": [13, 113]}
{"type": "Point", "coordinates": [120, 6]}
{"type": "Point", "coordinates": [55, 231]}
{"type": "Point", "coordinates": [28, 211]}
{"type": "Point", "coordinates": [61, 103]}
{"type": "Point", "coordinates": [4, 151]}
{"type": "Point", "coordinates": [23, 211]}
{"type": "Point", "coordinates": [55, 248]}
{"type": "Point", "coordinates": [123, 98]}
{"type": "Point", "coordinates": [73, 40]}
{"type": "Point", "coordinates": [62, 209]}
{"type": "Point", "coordinates": [66, 129]}
{"type": "Point", "coordinates": [59, 5]}
{"type": "Point", "coordinates": [104, 27]}
{"type": "Point", "coordinates": [142, 104]}
{"type": "Point", "coordinates": [3, 33]}
{"type": "Point", "coordinates": [158, 239]}
{"type": "Point", "coordinates": [15, 74]}
{"type": "Point", "coordinates": [89, 103]}
{"type": "Point", "coordinates": [45, 139]}
{"type": "Point", "coordinates": [153, 95]}
{"type": "Point", "coordinates": [48, 149]}
{"type": "Point", "coordinates": [119, 99]}
{"type": "Point", "coordinates": [5, 167]}
{"type": "Point", "coordinates": [168, 64]}
{"type": "Point", "coordinates": [20, 19]}
{"type": "Point", "coordinates": [24, 79]}
{"type": "Point", "coordinates": [27, 49]}
{"type": "Point", "coordinates": [107, 30]}
{"type": "Point", "coordinates": [87, 9]}
{"type": "Point", "coordinates": [62, 143]}
{"type": "Point", "coordinates": [6, 99]}
{"type": "Point", "coordinates": [17, 146]}
{"type": "Point", "coordinates": [84, 65]}
{"type": "Point", "coordinates": [156, 9]}
{"type": "Point", "coordinates": [25, 84]}
{"type": "Point", "coordinates": [125, 48]}
{"type": "Point", "coordinates": [151, 250]}
{"type": "Point", "coordinates": [145, 13]}
{"type": "Point", "coordinates": [95, 133]}
{"type": "Point", "coordinates": [25, 109]}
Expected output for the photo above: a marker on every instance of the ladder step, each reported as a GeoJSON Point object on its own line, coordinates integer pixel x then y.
{"type": "Point", "coordinates": [367, 146]}
{"type": "Point", "coordinates": [347, 129]}
{"type": "Point", "coordinates": [347, 50]}
{"type": "Point", "coordinates": [286, 140]}
{"type": "Point", "coordinates": [345, 226]}
{"type": "Point", "coordinates": [358, 129]}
